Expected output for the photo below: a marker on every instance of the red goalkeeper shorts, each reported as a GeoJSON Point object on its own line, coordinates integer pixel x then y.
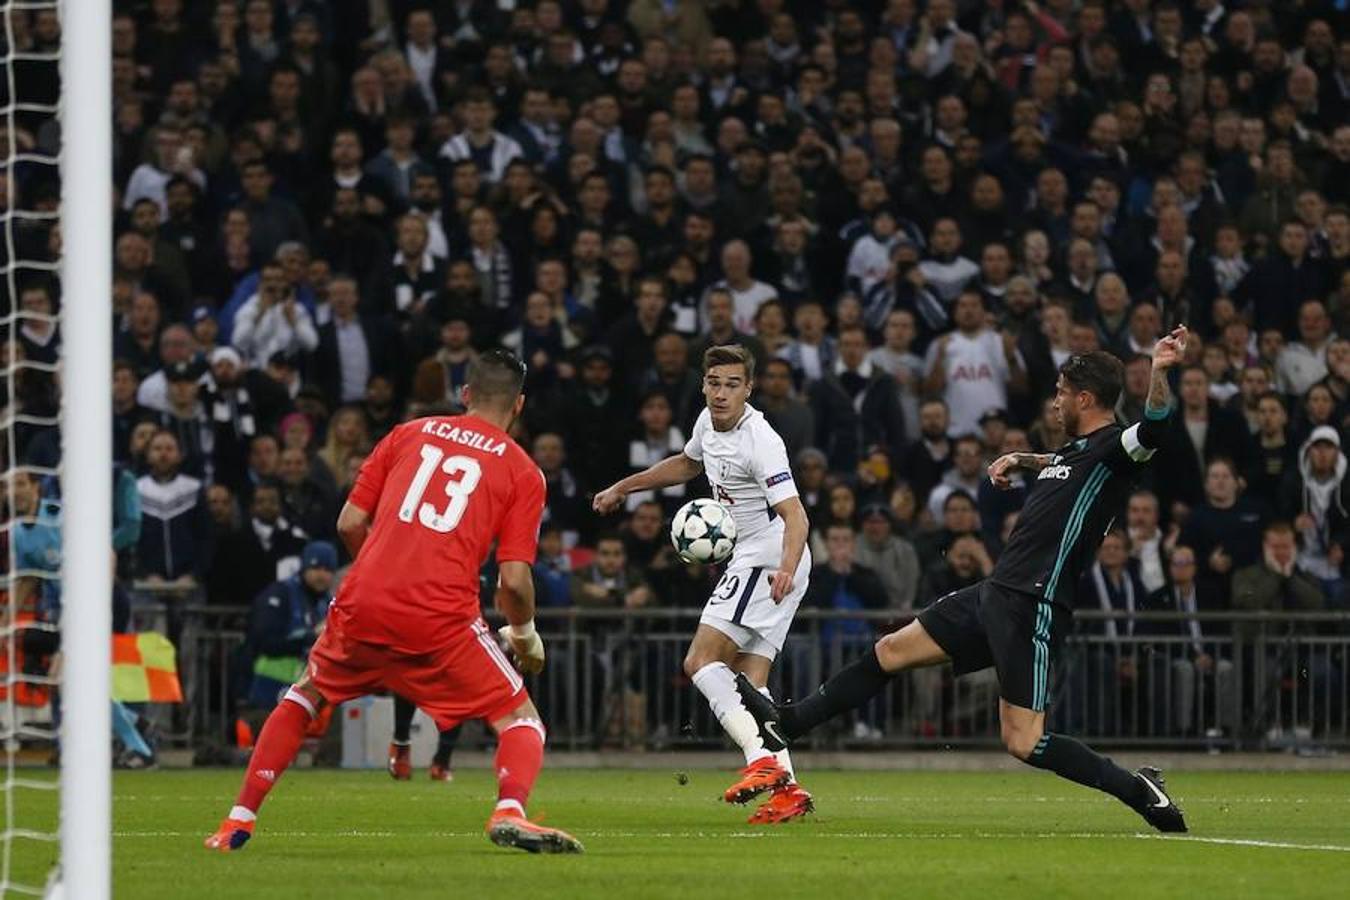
{"type": "Point", "coordinates": [468, 678]}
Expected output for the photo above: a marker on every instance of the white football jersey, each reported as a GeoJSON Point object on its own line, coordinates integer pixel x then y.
{"type": "Point", "coordinates": [748, 469]}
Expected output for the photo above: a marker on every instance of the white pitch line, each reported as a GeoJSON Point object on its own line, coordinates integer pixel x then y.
{"type": "Point", "coordinates": [814, 835]}
{"type": "Point", "coordinates": [1243, 842]}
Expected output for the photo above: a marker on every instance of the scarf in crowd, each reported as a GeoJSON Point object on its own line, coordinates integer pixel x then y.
{"type": "Point", "coordinates": [1104, 598]}
{"type": "Point", "coordinates": [496, 278]}
{"type": "Point", "coordinates": [230, 406]}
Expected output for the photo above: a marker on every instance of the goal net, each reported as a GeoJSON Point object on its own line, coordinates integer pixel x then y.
{"type": "Point", "coordinates": [54, 446]}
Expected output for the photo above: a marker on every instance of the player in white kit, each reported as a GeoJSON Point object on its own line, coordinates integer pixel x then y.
{"type": "Point", "coordinates": [747, 618]}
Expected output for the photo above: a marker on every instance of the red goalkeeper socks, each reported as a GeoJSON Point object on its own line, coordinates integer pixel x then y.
{"type": "Point", "coordinates": [275, 749]}
{"type": "Point", "coordinates": [520, 755]}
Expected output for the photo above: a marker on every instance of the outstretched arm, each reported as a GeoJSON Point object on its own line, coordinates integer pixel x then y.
{"type": "Point", "coordinates": [1169, 353]}
{"type": "Point", "coordinates": [675, 469]}
{"type": "Point", "coordinates": [1141, 439]}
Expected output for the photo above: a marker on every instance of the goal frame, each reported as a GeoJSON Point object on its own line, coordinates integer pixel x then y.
{"type": "Point", "coordinates": [86, 463]}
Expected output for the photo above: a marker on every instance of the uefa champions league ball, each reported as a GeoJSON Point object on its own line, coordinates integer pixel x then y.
{"type": "Point", "coordinates": [703, 531]}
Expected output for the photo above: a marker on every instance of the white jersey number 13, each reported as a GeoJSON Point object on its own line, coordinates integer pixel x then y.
{"type": "Point", "coordinates": [445, 520]}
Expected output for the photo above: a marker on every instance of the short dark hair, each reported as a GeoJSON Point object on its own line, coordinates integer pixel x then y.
{"type": "Point", "coordinates": [729, 355]}
{"type": "Point", "coordinates": [496, 378]}
{"type": "Point", "coordinates": [1098, 373]}
{"type": "Point", "coordinates": [1278, 526]}
{"type": "Point", "coordinates": [607, 537]}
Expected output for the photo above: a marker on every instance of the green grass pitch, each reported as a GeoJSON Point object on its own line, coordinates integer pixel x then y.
{"type": "Point", "coordinates": [327, 834]}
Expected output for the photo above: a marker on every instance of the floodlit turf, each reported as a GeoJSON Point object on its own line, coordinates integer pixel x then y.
{"type": "Point", "coordinates": [331, 835]}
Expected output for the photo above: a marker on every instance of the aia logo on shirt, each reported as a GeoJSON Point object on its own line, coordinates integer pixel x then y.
{"type": "Point", "coordinates": [722, 495]}
{"type": "Point", "coordinates": [981, 372]}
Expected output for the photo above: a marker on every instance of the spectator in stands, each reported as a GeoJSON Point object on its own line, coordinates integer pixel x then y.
{"type": "Point", "coordinates": [1279, 283]}
{"type": "Point", "coordinates": [281, 540]}
{"type": "Point", "coordinates": [552, 569]}
{"type": "Point", "coordinates": [1107, 670]}
{"type": "Point", "coordinates": [186, 417]}
{"type": "Point", "coordinates": [965, 563]}
{"type": "Point", "coordinates": [672, 374]}
{"type": "Point", "coordinates": [965, 475]}
{"type": "Point", "coordinates": [792, 419]}
{"type": "Point", "coordinates": [175, 542]}
{"type": "Point", "coordinates": [566, 506]}
{"type": "Point", "coordinates": [1191, 663]}
{"type": "Point", "coordinates": [973, 367]}
{"type": "Point", "coordinates": [347, 437]}
{"type": "Point", "coordinates": [813, 353]}
{"type": "Point", "coordinates": [137, 341]}
{"type": "Point", "coordinates": [1148, 544]}
{"type": "Point", "coordinates": [351, 347]}
{"type": "Point", "coordinates": [272, 220]}
{"type": "Point", "coordinates": [855, 406]}
{"type": "Point", "coordinates": [842, 584]}
{"type": "Point", "coordinates": [959, 516]}
{"type": "Point", "coordinates": [610, 582]}
{"type": "Point", "coordinates": [284, 621]}
{"type": "Point", "coordinates": [176, 345]}
{"type": "Point", "coordinates": [890, 557]}
{"type": "Point", "coordinates": [1317, 497]}
{"type": "Point", "coordinates": [656, 439]}
{"type": "Point", "coordinates": [897, 359]}
{"type": "Point", "coordinates": [491, 150]}
{"type": "Point", "coordinates": [1303, 363]}
{"type": "Point", "coordinates": [1273, 454]}
{"type": "Point", "coordinates": [126, 412]}
{"type": "Point", "coordinates": [587, 412]}
{"type": "Point", "coordinates": [1223, 530]}
{"type": "Point", "coordinates": [1276, 583]}
{"type": "Point", "coordinates": [1202, 431]}
{"type": "Point", "coordinates": [306, 496]}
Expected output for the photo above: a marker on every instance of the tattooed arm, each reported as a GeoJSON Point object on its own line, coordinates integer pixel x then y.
{"type": "Point", "coordinates": [1001, 468]}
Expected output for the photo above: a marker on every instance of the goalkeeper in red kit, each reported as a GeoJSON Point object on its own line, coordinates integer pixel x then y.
{"type": "Point", "coordinates": [427, 505]}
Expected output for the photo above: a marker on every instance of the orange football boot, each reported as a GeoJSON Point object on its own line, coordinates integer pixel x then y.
{"type": "Point", "coordinates": [438, 772]}
{"type": "Point", "coordinates": [786, 803]}
{"type": "Point", "coordinates": [232, 835]}
{"type": "Point", "coordinates": [761, 775]}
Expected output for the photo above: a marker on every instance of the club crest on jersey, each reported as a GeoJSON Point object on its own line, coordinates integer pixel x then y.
{"type": "Point", "coordinates": [1056, 470]}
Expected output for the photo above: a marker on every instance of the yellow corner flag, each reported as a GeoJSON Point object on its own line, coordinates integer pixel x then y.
{"type": "Point", "coordinates": [144, 669]}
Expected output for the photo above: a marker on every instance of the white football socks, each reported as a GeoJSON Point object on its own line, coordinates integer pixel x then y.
{"type": "Point", "coordinates": [784, 758]}
{"type": "Point", "coordinates": [717, 683]}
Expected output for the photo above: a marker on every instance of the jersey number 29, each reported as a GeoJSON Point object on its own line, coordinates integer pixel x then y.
{"type": "Point", "coordinates": [445, 520]}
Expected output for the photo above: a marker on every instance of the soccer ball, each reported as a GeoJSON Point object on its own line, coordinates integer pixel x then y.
{"type": "Point", "coordinates": [703, 531]}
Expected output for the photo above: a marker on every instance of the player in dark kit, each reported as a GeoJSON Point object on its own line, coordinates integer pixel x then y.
{"type": "Point", "coordinates": [1015, 619]}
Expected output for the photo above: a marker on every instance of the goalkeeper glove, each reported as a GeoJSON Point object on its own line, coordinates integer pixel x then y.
{"type": "Point", "coordinates": [526, 645]}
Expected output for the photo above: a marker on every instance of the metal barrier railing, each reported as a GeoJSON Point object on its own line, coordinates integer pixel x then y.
{"type": "Point", "coordinates": [615, 679]}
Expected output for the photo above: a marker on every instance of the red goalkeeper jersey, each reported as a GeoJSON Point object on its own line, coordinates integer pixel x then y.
{"type": "Point", "coordinates": [440, 491]}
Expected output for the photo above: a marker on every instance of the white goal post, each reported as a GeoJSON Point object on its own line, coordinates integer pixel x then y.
{"type": "Point", "coordinates": [86, 221]}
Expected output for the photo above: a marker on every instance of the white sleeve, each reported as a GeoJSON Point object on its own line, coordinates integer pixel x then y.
{"type": "Point", "coordinates": [1134, 449]}
{"type": "Point", "coordinates": [245, 325]}
{"type": "Point", "coordinates": [769, 464]}
{"type": "Point", "coordinates": [305, 333]}
{"type": "Point", "coordinates": [693, 448]}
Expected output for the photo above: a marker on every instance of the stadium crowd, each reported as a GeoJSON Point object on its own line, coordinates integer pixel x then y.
{"type": "Point", "coordinates": [911, 212]}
